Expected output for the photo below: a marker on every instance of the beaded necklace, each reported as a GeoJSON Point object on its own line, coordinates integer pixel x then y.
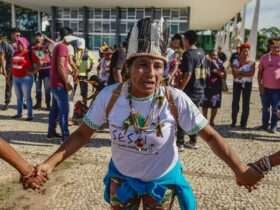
{"type": "Point", "coordinates": [139, 123]}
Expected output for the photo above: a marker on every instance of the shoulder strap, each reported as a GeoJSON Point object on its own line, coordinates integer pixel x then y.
{"type": "Point", "coordinates": [113, 99]}
{"type": "Point", "coordinates": [171, 104]}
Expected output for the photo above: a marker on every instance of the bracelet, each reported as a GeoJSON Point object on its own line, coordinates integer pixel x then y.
{"type": "Point", "coordinates": [26, 177]}
{"type": "Point", "coordinates": [263, 166]}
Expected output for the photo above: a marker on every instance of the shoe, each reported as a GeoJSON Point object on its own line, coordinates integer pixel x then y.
{"type": "Point", "coordinates": [16, 116]}
{"type": "Point", "coordinates": [262, 128]}
{"type": "Point", "coordinates": [273, 130]}
{"type": "Point", "coordinates": [191, 145]}
{"type": "Point", "coordinates": [243, 127]}
{"type": "Point", "coordinates": [181, 148]}
{"type": "Point", "coordinates": [5, 107]}
{"type": "Point", "coordinates": [233, 125]}
{"type": "Point", "coordinates": [37, 106]}
{"type": "Point", "coordinates": [29, 119]}
{"type": "Point", "coordinates": [53, 135]}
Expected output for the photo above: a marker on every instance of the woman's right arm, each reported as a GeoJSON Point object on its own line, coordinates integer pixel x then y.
{"type": "Point", "coordinates": [76, 140]}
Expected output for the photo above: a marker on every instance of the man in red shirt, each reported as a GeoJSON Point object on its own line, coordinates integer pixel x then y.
{"type": "Point", "coordinates": [60, 86]}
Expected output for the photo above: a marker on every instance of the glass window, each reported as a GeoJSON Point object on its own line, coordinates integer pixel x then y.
{"type": "Point", "coordinates": [131, 13]}
{"type": "Point", "coordinates": [81, 26]}
{"type": "Point", "coordinates": [183, 27]}
{"type": "Point", "coordinates": [106, 14]}
{"type": "Point", "coordinates": [148, 12]}
{"type": "Point", "coordinates": [139, 13]}
{"type": "Point", "coordinates": [174, 14]}
{"type": "Point", "coordinates": [97, 27]}
{"type": "Point", "coordinates": [183, 12]}
{"type": "Point", "coordinates": [80, 13]}
{"type": "Point", "coordinates": [129, 26]}
{"type": "Point", "coordinates": [106, 39]}
{"type": "Point", "coordinates": [113, 27]}
{"type": "Point", "coordinates": [157, 13]}
{"type": "Point", "coordinates": [90, 26]}
{"type": "Point", "coordinates": [123, 28]}
{"type": "Point", "coordinates": [66, 13]}
{"type": "Point", "coordinates": [74, 13]}
{"type": "Point", "coordinates": [91, 13]}
{"type": "Point", "coordinates": [66, 23]}
{"type": "Point", "coordinates": [91, 42]}
{"type": "Point", "coordinates": [174, 28]}
{"type": "Point", "coordinates": [113, 13]}
{"type": "Point", "coordinates": [97, 41]}
{"type": "Point", "coordinates": [106, 27]}
{"type": "Point", "coordinates": [166, 13]}
{"type": "Point", "coordinates": [97, 13]}
{"type": "Point", "coordinates": [123, 14]}
{"type": "Point", "coordinates": [74, 26]}
{"type": "Point", "coordinates": [59, 13]}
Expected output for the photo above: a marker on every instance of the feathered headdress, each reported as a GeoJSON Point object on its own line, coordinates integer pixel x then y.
{"type": "Point", "coordinates": [148, 37]}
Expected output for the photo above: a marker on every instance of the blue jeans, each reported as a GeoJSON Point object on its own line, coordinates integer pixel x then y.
{"type": "Point", "coordinates": [59, 111]}
{"type": "Point", "coordinates": [23, 86]}
{"type": "Point", "coordinates": [39, 82]}
{"type": "Point", "coordinates": [271, 99]}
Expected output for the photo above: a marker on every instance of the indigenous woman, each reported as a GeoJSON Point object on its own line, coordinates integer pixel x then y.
{"type": "Point", "coordinates": [22, 78]}
{"type": "Point", "coordinates": [243, 70]}
{"type": "Point", "coordinates": [213, 90]}
{"type": "Point", "coordinates": [143, 117]}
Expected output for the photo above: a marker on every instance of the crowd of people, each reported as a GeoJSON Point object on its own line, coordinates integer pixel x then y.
{"type": "Point", "coordinates": [148, 91]}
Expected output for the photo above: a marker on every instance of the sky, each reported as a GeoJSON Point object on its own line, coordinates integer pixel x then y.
{"type": "Point", "coordinates": [269, 13]}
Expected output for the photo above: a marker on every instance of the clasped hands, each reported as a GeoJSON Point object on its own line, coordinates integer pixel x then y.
{"type": "Point", "coordinates": [36, 178]}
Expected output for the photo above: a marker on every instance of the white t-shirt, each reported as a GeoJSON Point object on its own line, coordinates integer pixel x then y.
{"type": "Point", "coordinates": [159, 154]}
{"type": "Point", "coordinates": [244, 68]}
{"type": "Point", "coordinates": [104, 72]}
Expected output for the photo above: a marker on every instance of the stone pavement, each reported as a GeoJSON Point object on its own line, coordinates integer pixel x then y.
{"type": "Point", "coordinates": [77, 183]}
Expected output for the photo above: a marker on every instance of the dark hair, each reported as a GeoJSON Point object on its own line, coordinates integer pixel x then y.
{"type": "Point", "coordinates": [38, 33]}
{"type": "Point", "coordinates": [14, 30]}
{"type": "Point", "coordinates": [178, 37]}
{"type": "Point", "coordinates": [124, 44]}
{"type": "Point", "coordinates": [191, 36]}
{"type": "Point", "coordinates": [65, 31]}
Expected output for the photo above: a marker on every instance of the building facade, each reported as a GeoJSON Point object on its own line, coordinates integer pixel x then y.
{"type": "Point", "coordinates": [111, 25]}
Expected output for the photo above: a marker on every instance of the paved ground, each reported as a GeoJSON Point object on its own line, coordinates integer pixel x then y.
{"type": "Point", "coordinates": [77, 184]}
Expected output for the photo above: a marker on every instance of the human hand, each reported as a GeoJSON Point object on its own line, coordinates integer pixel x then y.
{"type": "Point", "coordinates": [68, 86]}
{"type": "Point", "coordinates": [248, 177]}
{"type": "Point", "coordinates": [32, 180]}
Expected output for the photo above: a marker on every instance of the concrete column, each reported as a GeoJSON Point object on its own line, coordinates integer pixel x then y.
{"type": "Point", "coordinates": [54, 22]}
{"type": "Point", "coordinates": [85, 24]}
{"type": "Point", "coordinates": [39, 20]}
{"type": "Point", "coordinates": [118, 23]}
{"type": "Point", "coordinates": [13, 14]}
{"type": "Point", "coordinates": [189, 18]}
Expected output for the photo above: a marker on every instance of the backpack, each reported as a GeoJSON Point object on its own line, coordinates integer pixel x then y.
{"type": "Point", "coordinates": [168, 95]}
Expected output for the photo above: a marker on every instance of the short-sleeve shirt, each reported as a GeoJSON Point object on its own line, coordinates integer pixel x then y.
{"type": "Point", "coordinates": [271, 71]}
{"type": "Point", "coordinates": [117, 61]}
{"type": "Point", "coordinates": [8, 51]}
{"type": "Point", "coordinates": [159, 153]}
{"type": "Point", "coordinates": [21, 64]}
{"type": "Point", "coordinates": [194, 63]}
{"type": "Point", "coordinates": [60, 50]}
{"type": "Point", "coordinates": [41, 55]}
{"type": "Point", "coordinates": [84, 60]}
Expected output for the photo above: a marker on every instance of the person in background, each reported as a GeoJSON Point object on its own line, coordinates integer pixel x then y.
{"type": "Point", "coordinates": [193, 67]}
{"type": "Point", "coordinates": [22, 77]}
{"type": "Point", "coordinates": [103, 69]}
{"type": "Point", "coordinates": [60, 85]}
{"type": "Point", "coordinates": [221, 55]}
{"type": "Point", "coordinates": [269, 85]}
{"type": "Point", "coordinates": [213, 91]}
{"type": "Point", "coordinates": [84, 60]}
{"type": "Point", "coordinates": [172, 72]}
{"type": "Point", "coordinates": [243, 70]}
{"type": "Point", "coordinates": [15, 33]}
{"type": "Point", "coordinates": [117, 64]}
{"type": "Point", "coordinates": [41, 60]}
{"type": "Point", "coordinates": [6, 54]}
{"type": "Point", "coordinates": [26, 170]}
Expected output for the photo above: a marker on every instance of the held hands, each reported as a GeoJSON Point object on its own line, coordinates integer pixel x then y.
{"type": "Point", "coordinates": [36, 178]}
{"type": "Point", "coordinates": [248, 177]}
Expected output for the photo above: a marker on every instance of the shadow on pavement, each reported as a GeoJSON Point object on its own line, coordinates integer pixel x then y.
{"type": "Point", "coordinates": [249, 134]}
